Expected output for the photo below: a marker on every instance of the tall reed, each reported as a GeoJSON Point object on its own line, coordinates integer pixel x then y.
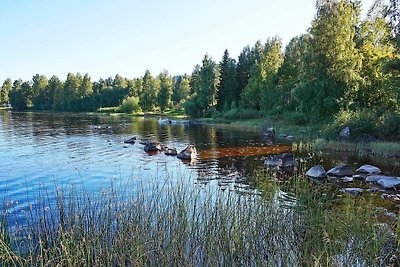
{"type": "Point", "coordinates": [166, 222]}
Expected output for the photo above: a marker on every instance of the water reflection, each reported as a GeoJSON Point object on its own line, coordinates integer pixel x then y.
{"type": "Point", "coordinates": [41, 149]}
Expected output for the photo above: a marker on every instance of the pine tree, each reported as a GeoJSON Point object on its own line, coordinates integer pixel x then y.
{"type": "Point", "coordinates": [227, 89]}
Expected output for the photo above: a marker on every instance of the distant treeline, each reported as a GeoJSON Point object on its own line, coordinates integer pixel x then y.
{"type": "Point", "coordinates": [341, 65]}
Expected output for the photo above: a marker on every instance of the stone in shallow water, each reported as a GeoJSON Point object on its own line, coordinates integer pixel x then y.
{"type": "Point", "coordinates": [317, 172]}
{"type": "Point", "coordinates": [369, 169]}
{"type": "Point", "coordinates": [285, 160]}
{"type": "Point", "coordinates": [353, 191]}
{"type": "Point", "coordinates": [340, 170]}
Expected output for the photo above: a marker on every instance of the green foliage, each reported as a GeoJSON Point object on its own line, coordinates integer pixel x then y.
{"type": "Point", "coordinates": [260, 90]}
{"type": "Point", "coordinates": [181, 91]}
{"type": "Point", "coordinates": [192, 108]}
{"type": "Point", "coordinates": [150, 89]}
{"type": "Point", "coordinates": [5, 91]}
{"type": "Point", "coordinates": [21, 95]}
{"type": "Point", "coordinates": [295, 118]}
{"type": "Point", "coordinates": [227, 88]}
{"type": "Point", "coordinates": [331, 75]}
{"type": "Point", "coordinates": [205, 82]}
{"type": "Point", "coordinates": [42, 99]}
{"type": "Point", "coordinates": [238, 114]}
{"type": "Point", "coordinates": [130, 105]}
{"type": "Point", "coordinates": [361, 123]}
{"type": "Point", "coordinates": [165, 93]}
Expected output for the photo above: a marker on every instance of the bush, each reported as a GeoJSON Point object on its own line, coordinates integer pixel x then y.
{"type": "Point", "coordinates": [361, 123]}
{"type": "Point", "coordinates": [242, 114]}
{"type": "Point", "coordinates": [130, 105]}
{"type": "Point", "coordinates": [390, 128]}
{"type": "Point", "coordinates": [296, 118]}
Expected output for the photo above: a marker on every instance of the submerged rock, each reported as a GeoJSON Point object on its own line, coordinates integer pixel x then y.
{"type": "Point", "coordinates": [152, 147]}
{"type": "Point", "coordinates": [131, 140]}
{"type": "Point", "coordinates": [353, 191]}
{"type": "Point", "coordinates": [285, 160]}
{"type": "Point", "coordinates": [369, 169]}
{"type": "Point", "coordinates": [317, 172]}
{"type": "Point", "coordinates": [340, 170]}
{"type": "Point", "coordinates": [188, 153]}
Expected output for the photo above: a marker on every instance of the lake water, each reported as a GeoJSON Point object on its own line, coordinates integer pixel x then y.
{"type": "Point", "coordinates": [39, 151]}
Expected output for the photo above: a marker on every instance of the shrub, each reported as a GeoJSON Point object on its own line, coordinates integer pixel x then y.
{"type": "Point", "coordinates": [296, 118]}
{"type": "Point", "coordinates": [242, 114]}
{"type": "Point", "coordinates": [130, 105]}
{"type": "Point", "coordinates": [390, 128]}
{"type": "Point", "coordinates": [361, 123]}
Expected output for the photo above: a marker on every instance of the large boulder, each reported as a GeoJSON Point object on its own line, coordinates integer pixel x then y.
{"type": "Point", "coordinates": [375, 178]}
{"type": "Point", "coordinates": [370, 169]}
{"type": "Point", "coordinates": [152, 147]}
{"type": "Point", "coordinates": [345, 133]}
{"type": "Point", "coordinates": [340, 170]}
{"type": "Point", "coordinates": [188, 153]}
{"type": "Point", "coordinates": [387, 182]}
{"type": "Point", "coordinates": [285, 160]}
{"type": "Point", "coordinates": [317, 172]}
{"type": "Point", "coordinates": [390, 182]}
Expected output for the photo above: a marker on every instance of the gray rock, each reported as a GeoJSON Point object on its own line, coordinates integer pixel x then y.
{"type": "Point", "coordinates": [285, 160]}
{"type": "Point", "coordinates": [347, 179]}
{"type": "Point", "coordinates": [131, 140]}
{"type": "Point", "coordinates": [269, 133]}
{"type": "Point", "coordinates": [170, 151]}
{"type": "Point", "coordinates": [152, 147]}
{"type": "Point", "coordinates": [345, 133]}
{"type": "Point", "coordinates": [340, 170]}
{"type": "Point", "coordinates": [317, 172]}
{"type": "Point", "coordinates": [290, 137]}
{"type": "Point", "coordinates": [375, 178]}
{"type": "Point", "coordinates": [353, 191]}
{"type": "Point", "coordinates": [389, 182]}
{"type": "Point", "coordinates": [358, 177]}
{"type": "Point", "coordinates": [369, 169]}
{"type": "Point", "coordinates": [188, 153]}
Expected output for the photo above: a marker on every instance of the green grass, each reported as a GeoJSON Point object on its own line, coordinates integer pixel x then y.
{"type": "Point", "coordinates": [170, 223]}
{"type": "Point", "coordinates": [381, 149]}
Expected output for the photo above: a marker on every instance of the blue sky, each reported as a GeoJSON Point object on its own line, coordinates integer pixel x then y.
{"type": "Point", "coordinates": [104, 37]}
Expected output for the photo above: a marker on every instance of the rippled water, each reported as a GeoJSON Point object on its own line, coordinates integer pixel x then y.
{"type": "Point", "coordinates": [39, 151]}
{"type": "Point", "coordinates": [44, 150]}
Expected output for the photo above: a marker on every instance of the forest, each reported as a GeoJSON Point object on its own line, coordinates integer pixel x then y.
{"type": "Point", "coordinates": [343, 72]}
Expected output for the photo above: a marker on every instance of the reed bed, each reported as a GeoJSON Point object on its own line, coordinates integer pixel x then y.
{"type": "Point", "coordinates": [165, 222]}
